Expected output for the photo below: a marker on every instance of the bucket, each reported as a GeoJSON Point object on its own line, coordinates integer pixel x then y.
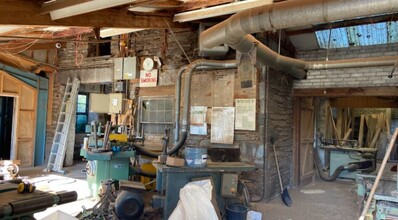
{"type": "Point", "coordinates": [237, 212]}
{"type": "Point", "coordinates": [195, 156]}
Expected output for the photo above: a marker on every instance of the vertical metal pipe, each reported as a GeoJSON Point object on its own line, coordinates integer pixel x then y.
{"type": "Point", "coordinates": [177, 105]}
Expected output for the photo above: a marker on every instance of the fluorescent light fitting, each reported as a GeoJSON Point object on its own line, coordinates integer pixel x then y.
{"type": "Point", "coordinates": [108, 32]}
{"type": "Point", "coordinates": [87, 7]}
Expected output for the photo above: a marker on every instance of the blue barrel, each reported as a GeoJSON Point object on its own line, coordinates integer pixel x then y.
{"type": "Point", "coordinates": [237, 212]}
{"type": "Point", "coordinates": [195, 156]}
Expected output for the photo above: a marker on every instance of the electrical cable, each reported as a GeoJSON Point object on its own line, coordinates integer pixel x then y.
{"type": "Point", "coordinates": [175, 38]}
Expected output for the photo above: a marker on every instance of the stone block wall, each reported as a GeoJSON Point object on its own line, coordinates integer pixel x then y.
{"type": "Point", "coordinates": [349, 77]}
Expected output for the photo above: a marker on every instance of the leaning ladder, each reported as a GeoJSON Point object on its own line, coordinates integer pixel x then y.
{"type": "Point", "coordinates": [68, 106]}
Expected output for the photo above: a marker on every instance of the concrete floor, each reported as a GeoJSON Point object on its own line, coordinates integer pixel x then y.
{"type": "Point", "coordinates": [317, 201]}
{"type": "Point", "coordinates": [338, 201]}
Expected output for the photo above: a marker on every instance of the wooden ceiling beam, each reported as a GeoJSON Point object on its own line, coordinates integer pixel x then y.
{"type": "Point", "coordinates": [26, 13]}
{"type": "Point", "coordinates": [198, 4]}
{"type": "Point", "coordinates": [59, 4]}
{"type": "Point", "coordinates": [347, 92]}
{"type": "Point", "coordinates": [219, 10]}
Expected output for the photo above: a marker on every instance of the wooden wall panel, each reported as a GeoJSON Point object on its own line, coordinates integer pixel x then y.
{"type": "Point", "coordinates": [25, 121]}
{"type": "Point", "coordinates": [25, 152]}
{"type": "Point", "coordinates": [11, 85]}
{"type": "Point", "coordinates": [27, 98]}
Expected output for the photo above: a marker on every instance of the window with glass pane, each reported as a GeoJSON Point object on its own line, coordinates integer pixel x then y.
{"type": "Point", "coordinates": [81, 113]}
{"type": "Point", "coordinates": [156, 115]}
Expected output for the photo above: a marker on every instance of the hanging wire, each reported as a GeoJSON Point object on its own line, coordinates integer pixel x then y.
{"type": "Point", "coordinates": [175, 38]}
{"type": "Point", "coordinates": [393, 69]}
{"type": "Point", "coordinates": [329, 42]}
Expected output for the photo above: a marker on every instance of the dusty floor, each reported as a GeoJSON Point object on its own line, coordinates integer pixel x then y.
{"type": "Point", "coordinates": [317, 201]}
{"type": "Point", "coordinates": [338, 201]}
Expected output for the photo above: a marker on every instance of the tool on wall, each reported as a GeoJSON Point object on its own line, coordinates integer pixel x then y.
{"type": "Point", "coordinates": [284, 192]}
{"type": "Point", "coordinates": [68, 106]}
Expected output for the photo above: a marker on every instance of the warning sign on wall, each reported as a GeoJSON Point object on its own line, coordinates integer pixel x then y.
{"type": "Point", "coordinates": [148, 78]}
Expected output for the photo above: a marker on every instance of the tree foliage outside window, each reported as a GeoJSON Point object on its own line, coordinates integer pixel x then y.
{"type": "Point", "coordinates": [81, 113]}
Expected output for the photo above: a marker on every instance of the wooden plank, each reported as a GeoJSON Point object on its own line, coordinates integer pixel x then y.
{"type": "Point", "coordinates": [26, 13]}
{"type": "Point", "coordinates": [388, 122]}
{"type": "Point", "coordinates": [339, 122]}
{"type": "Point", "coordinates": [364, 102]}
{"type": "Point", "coordinates": [219, 10]}
{"type": "Point", "coordinates": [380, 122]}
{"type": "Point", "coordinates": [337, 136]}
{"type": "Point", "coordinates": [197, 4]}
{"type": "Point", "coordinates": [347, 134]}
{"type": "Point", "coordinates": [59, 4]}
{"type": "Point", "coordinates": [296, 140]}
{"type": "Point", "coordinates": [361, 128]}
{"type": "Point", "coordinates": [157, 91]}
{"type": "Point", "coordinates": [347, 92]}
{"type": "Point", "coordinates": [50, 98]}
{"type": "Point", "coordinates": [327, 124]}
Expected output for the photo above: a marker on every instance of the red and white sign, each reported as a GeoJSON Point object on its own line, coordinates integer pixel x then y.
{"type": "Point", "coordinates": [148, 78]}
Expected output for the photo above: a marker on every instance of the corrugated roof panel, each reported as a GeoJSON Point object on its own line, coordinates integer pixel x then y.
{"type": "Point", "coordinates": [392, 32]}
{"type": "Point", "coordinates": [370, 34]}
{"type": "Point", "coordinates": [338, 39]}
{"type": "Point", "coordinates": [360, 35]}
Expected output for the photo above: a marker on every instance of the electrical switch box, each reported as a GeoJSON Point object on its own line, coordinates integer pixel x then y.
{"type": "Point", "coordinates": [130, 68]}
{"type": "Point", "coordinates": [118, 68]}
{"type": "Point", "coordinates": [119, 86]}
{"type": "Point", "coordinates": [229, 185]}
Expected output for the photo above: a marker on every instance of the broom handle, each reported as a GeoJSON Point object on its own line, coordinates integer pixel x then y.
{"type": "Point", "coordinates": [379, 174]}
{"type": "Point", "coordinates": [277, 168]}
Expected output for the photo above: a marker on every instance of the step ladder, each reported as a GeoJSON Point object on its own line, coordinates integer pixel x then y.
{"type": "Point", "coordinates": [68, 107]}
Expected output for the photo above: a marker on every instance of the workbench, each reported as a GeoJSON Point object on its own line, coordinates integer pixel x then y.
{"type": "Point", "coordinates": [15, 205]}
{"type": "Point", "coordinates": [171, 179]}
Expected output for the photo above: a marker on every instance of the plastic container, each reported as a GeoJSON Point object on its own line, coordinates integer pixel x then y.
{"type": "Point", "coordinates": [237, 212]}
{"type": "Point", "coordinates": [195, 156]}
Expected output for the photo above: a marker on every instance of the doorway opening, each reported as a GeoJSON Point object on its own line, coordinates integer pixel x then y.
{"type": "Point", "coordinates": [6, 126]}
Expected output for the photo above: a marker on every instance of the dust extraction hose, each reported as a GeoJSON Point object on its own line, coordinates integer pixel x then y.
{"type": "Point", "coordinates": [336, 173]}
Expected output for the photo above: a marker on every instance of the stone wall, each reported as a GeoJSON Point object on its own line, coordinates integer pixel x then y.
{"type": "Point", "coordinates": [251, 144]}
{"type": "Point", "coordinates": [349, 77]}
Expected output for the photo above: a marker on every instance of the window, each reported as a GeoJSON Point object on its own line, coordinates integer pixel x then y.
{"type": "Point", "coordinates": [81, 113]}
{"type": "Point", "coordinates": [156, 115]}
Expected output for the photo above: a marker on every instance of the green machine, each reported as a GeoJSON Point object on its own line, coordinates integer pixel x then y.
{"type": "Point", "coordinates": [106, 165]}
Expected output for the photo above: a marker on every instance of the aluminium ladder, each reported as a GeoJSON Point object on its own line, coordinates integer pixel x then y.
{"type": "Point", "coordinates": [68, 106]}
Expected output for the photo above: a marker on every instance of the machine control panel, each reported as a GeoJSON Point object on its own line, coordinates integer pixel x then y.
{"type": "Point", "coordinates": [229, 185]}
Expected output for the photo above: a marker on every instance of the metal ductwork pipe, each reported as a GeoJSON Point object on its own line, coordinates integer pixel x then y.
{"type": "Point", "coordinates": [197, 64]}
{"type": "Point", "coordinates": [236, 30]}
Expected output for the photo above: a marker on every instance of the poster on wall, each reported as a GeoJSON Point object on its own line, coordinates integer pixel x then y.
{"type": "Point", "coordinates": [198, 123]}
{"type": "Point", "coordinates": [245, 118]}
{"type": "Point", "coordinates": [148, 78]}
{"type": "Point", "coordinates": [222, 125]}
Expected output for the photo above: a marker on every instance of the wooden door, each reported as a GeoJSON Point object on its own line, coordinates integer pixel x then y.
{"type": "Point", "coordinates": [305, 140]}
{"type": "Point", "coordinates": [25, 105]}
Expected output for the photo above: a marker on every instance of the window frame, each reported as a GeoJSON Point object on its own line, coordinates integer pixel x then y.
{"type": "Point", "coordinates": [82, 113]}
{"type": "Point", "coordinates": [140, 124]}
